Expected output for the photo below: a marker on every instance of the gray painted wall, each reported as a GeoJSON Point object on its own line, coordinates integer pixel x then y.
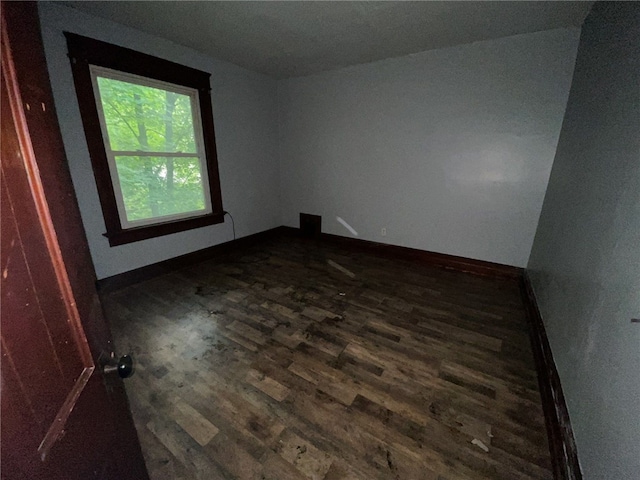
{"type": "Point", "coordinates": [585, 262]}
{"type": "Point", "coordinates": [450, 150]}
{"type": "Point", "coordinates": [244, 110]}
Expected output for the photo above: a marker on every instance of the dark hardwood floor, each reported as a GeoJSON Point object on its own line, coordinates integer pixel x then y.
{"type": "Point", "coordinates": [296, 359]}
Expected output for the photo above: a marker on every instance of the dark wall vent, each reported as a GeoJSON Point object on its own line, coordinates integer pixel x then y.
{"type": "Point", "coordinates": [310, 225]}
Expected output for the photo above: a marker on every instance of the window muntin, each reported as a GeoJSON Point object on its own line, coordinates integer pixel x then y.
{"type": "Point", "coordinates": [154, 145]}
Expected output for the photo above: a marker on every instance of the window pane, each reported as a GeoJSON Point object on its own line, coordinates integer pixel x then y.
{"type": "Point", "coordinates": [146, 118]}
{"type": "Point", "coordinates": [158, 186]}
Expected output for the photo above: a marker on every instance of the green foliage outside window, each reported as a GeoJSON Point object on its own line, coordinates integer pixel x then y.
{"type": "Point", "coordinates": [140, 119]}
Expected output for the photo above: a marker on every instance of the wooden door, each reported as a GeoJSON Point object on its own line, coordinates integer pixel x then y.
{"type": "Point", "coordinates": [62, 417]}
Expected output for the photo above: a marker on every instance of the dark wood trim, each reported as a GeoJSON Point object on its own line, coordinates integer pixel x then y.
{"type": "Point", "coordinates": [129, 235]}
{"type": "Point", "coordinates": [210, 150]}
{"type": "Point", "coordinates": [562, 445]}
{"type": "Point", "coordinates": [95, 142]}
{"type": "Point", "coordinates": [88, 50]}
{"type": "Point", "coordinates": [83, 52]}
{"type": "Point", "coordinates": [442, 260]}
{"type": "Point", "coordinates": [450, 262]}
{"type": "Point", "coordinates": [125, 279]}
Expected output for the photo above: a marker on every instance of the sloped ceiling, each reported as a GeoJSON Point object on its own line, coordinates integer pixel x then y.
{"type": "Point", "coordinates": [296, 38]}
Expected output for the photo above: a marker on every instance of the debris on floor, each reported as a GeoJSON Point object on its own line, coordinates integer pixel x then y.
{"type": "Point", "coordinates": [480, 444]}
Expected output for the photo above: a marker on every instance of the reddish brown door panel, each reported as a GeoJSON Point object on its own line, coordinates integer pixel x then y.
{"type": "Point", "coordinates": [39, 111]}
{"type": "Point", "coordinates": [61, 418]}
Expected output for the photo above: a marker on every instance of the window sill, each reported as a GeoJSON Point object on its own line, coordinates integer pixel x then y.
{"type": "Point", "coordinates": [130, 235]}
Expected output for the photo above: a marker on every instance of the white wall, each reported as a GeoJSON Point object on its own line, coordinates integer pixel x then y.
{"type": "Point", "coordinates": [450, 150]}
{"type": "Point", "coordinates": [585, 261]}
{"type": "Point", "coordinates": [244, 111]}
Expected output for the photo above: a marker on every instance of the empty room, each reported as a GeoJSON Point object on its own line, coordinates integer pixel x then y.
{"type": "Point", "coordinates": [288, 240]}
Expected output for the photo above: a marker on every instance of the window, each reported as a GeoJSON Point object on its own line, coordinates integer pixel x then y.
{"type": "Point", "coordinates": [149, 130]}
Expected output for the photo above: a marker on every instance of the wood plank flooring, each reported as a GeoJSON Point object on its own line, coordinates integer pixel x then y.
{"type": "Point", "coordinates": [296, 359]}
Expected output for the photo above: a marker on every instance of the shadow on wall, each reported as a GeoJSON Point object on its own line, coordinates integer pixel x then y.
{"type": "Point", "coordinates": [585, 261]}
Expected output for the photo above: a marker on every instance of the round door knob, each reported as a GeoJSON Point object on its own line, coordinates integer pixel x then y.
{"type": "Point", "coordinates": [124, 367]}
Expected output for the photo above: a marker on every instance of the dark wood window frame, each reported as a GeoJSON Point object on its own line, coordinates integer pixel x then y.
{"type": "Point", "coordinates": [83, 52]}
